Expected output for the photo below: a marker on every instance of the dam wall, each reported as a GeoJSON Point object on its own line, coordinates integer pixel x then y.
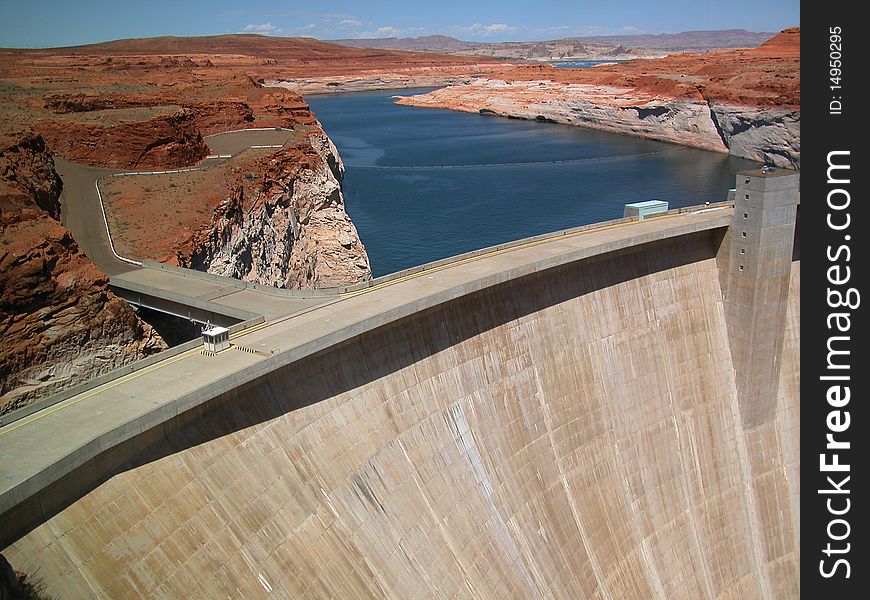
{"type": "Point", "coordinates": [572, 433]}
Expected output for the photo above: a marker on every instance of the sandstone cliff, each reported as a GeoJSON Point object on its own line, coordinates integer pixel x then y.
{"type": "Point", "coordinates": [766, 135]}
{"type": "Point", "coordinates": [59, 324]}
{"type": "Point", "coordinates": [172, 139]}
{"type": "Point", "coordinates": [289, 229]}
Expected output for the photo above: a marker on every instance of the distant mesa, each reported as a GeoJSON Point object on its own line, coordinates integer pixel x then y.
{"type": "Point", "coordinates": [575, 47]}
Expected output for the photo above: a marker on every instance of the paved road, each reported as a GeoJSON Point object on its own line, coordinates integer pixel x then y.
{"type": "Point", "coordinates": [223, 292]}
{"type": "Point", "coordinates": [236, 141]}
{"type": "Point", "coordinates": [82, 214]}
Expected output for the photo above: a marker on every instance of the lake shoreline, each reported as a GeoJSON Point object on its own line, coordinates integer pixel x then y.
{"type": "Point", "coordinates": [424, 185]}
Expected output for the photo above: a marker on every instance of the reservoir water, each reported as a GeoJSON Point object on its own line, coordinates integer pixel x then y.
{"type": "Point", "coordinates": [424, 184]}
{"type": "Point", "coordinates": [581, 64]}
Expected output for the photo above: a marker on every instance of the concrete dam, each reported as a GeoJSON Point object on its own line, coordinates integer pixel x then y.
{"type": "Point", "coordinates": [611, 413]}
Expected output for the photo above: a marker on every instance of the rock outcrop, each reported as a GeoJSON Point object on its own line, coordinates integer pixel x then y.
{"type": "Point", "coordinates": [767, 135]}
{"type": "Point", "coordinates": [336, 84]}
{"type": "Point", "coordinates": [294, 233]}
{"type": "Point", "coordinates": [60, 325]}
{"type": "Point", "coordinates": [168, 140]}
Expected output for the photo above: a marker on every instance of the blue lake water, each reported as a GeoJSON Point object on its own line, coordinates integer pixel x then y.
{"type": "Point", "coordinates": [581, 64]}
{"type": "Point", "coordinates": [424, 184]}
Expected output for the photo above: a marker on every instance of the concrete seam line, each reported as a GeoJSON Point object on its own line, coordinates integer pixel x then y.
{"type": "Point", "coordinates": [109, 231]}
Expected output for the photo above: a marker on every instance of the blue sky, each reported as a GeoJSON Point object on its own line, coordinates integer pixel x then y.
{"type": "Point", "coordinates": [40, 23]}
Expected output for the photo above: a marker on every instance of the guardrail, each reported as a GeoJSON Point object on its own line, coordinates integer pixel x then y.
{"type": "Point", "coordinates": [377, 281]}
{"type": "Point", "coordinates": [521, 242]}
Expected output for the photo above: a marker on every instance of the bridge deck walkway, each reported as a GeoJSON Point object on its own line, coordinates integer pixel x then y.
{"type": "Point", "coordinates": [41, 448]}
{"type": "Point", "coordinates": [161, 283]}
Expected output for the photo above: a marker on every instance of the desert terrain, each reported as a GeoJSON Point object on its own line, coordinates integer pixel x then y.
{"type": "Point", "coordinates": [150, 104]}
{"type": "Point", "coordinates": [743, 101]}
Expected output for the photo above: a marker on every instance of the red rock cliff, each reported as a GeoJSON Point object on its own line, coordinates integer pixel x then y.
{"type": "Point", "coordinates": [59, 324]}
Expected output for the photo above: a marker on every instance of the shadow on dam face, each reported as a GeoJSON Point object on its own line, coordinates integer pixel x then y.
{"type": "Point", "coordinates": [573, 433]}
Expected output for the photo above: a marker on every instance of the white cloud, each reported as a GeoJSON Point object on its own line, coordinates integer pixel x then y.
{"type": "Point", "coordinates": [481, 30]}
{"type": "Point", "coordinates": [266, 28]}
{"type": "Point", "coordinates": [388, 31]}
{"type": "Point", "coordinates": [349, 23]}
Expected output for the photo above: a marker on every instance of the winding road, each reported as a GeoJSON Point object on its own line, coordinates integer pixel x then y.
{"type": "Point", "coordinates": [182, 292]}
{"type": "Point", "coordinates": [81, 206]}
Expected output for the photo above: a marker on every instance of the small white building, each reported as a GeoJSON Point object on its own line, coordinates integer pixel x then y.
{"type": "Point", "coordinates": [645, 209]}
{"type": "Point", "coordinates": [215, 339]}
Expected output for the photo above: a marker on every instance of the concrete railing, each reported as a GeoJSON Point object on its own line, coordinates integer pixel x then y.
{"type": "Point", "coordinates": [514, 244]}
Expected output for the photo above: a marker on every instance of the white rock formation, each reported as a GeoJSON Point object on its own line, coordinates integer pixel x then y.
{"type": "Point", "coordinates": [769, 135]}
{"type": "Point", "coordinates": [296, 234]}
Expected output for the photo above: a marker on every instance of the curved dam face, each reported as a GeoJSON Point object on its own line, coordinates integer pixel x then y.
{"type": "Point", "coordinates": [575, 433]}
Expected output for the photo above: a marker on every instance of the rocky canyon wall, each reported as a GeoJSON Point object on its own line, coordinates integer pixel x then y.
{"type": "Point", "coordinates": [763, 134]}
{"type": "Point", "coordinates": [60, 323]}
{"type": "Point", "coordinates": [768, 135]}
{"type": "Point", "coordinates": [291, 229]}
{"type": "Point", "coordinates": [171, 140]}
